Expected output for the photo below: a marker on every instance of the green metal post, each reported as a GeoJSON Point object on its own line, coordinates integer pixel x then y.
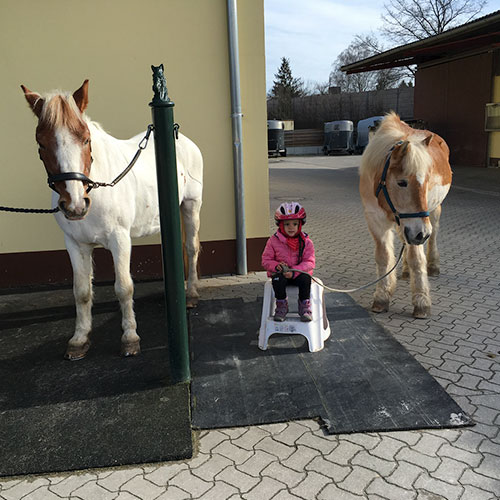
{"type": "Point", "coordinates": [171, 239]}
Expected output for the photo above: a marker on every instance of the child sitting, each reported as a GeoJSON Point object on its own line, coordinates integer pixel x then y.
{"type": "Point", "coordinates": [290, 248]}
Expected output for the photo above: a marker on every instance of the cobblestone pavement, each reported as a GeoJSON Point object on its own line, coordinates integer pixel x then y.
{"type": "Point", "coordinates": [459, 346]}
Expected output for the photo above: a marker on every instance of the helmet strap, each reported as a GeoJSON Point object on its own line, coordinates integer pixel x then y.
{"type": "Point", "coordinates": [281, 226]}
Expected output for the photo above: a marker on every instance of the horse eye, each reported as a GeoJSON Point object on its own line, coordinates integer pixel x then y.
{"type": "Point", "coordinates": [402, 184]}
{"type": "Point", "coordinates": [86, 141]}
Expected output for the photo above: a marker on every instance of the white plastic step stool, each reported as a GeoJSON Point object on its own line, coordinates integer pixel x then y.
{"type": "Point", "coordinates": [315, 331]}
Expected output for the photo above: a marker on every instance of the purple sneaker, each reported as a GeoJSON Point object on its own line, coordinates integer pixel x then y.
{"type": "Point", "coordinates": [305, 311]}
{"type": "Point", "coordinates": [281, 310]}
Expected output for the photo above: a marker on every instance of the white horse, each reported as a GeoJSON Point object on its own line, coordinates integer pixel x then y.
{"type": "Point", "coordinates": [72, 147]}
{"type": "Point", "coordinates": [404, 177]}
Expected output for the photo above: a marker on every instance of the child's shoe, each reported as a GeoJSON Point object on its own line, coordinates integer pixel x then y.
{"type": "Point", "coordinates": [305, 311]}
{"type": "Point", "coordinates": [281, 310]}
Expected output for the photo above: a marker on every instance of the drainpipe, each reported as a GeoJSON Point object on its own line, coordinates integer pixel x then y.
{"type": "Point", "coordinates": [239, 193]}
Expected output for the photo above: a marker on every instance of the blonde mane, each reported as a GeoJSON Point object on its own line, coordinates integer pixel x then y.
{"type": "Point", "coordinates": [60, 110]}
{"type": "Point", "coordinates": [416, 161]}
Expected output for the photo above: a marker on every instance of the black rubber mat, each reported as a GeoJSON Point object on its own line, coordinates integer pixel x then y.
{"type": "Point", "coordinates": [57, 415]}
{"type": "Point", "coordinates": [363, 380]}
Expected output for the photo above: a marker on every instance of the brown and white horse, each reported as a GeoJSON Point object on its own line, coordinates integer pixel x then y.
{"type": "Point", "coordinates": [404, 177]}
{"type": "Point", "coordinates": [72, 148]}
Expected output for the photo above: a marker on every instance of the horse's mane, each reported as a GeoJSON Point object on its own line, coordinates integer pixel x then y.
{"type": "Point", "coordinates": [416, 160]}
{"type": "Point", "coordinates": [60, 110]}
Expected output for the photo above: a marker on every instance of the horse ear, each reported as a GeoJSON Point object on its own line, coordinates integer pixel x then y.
{"type": "Point", "coordinates": [400, 149]}
{"type": "Point", "coordinates": [398, 153]}
{"type": "Point", "coordinates": [35, 101]}
{"type": "Point", "coordinates": [428, 139]}
{"type": "Point", "coordinates": [81, 96]}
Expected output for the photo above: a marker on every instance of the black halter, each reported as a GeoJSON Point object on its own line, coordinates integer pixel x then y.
{"type": "Point", "coordinates": [382, 187]}
{"type": "Point", "coordinates": [78, 176]}
{"type": "Point", "coordinates": [69, 176]}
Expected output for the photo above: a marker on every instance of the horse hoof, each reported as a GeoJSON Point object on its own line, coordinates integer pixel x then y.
{"type": "Point", "coordinates": [380, 307]}
{"type": "Point", "coordinates": [131, 349]}
{"type": "Point", "coordinates": [191, 302]}
{"type": "Point", "coordinates": [421, 312]}
{"type": "Point", "coordinates": [433, 271]}
{"type": "Point", "coordinates": [76, 352]}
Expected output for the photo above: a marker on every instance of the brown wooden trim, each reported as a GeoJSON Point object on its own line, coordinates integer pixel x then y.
{"type": "Point", "coordinates": [54, 267]}
{"type": "Point", "coordinates": [219, 257]}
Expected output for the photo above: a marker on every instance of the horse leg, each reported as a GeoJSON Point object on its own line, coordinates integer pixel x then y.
{"type": "Point", "coordinates": [432, 250]}
{"type": "Point", "coordinates": [421, 298]}
{"type": "Point", "coordinates": [384, 258]}
{"type": "Point", "coordinates": [405, 272]}
{"type": "Point", "coordinates": [81, 261]}
{"type": "Point", "coordinates": [191, 215]}
{"type": "Point", "coordinates": [121, 248]}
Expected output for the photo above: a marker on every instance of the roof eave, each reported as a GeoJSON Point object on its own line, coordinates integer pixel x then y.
{"type": "Point", "coordinates": [388, 56]}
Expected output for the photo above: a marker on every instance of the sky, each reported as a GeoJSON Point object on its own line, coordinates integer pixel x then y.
{"type": "Point", "coordinates": [312, 33]}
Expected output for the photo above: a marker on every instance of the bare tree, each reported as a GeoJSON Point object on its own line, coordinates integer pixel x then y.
{"type": "Point", "coordinates": [317, 88]}
{"type": "Point", "coordinates": [362, 47]}
{"type": "Point", "coordinates": [406, 21]}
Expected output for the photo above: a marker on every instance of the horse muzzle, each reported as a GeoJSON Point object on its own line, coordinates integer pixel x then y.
{"type": "Point", "coordinates": [418, 236]}
{"type": "Point", "coordinates": [76, 213]}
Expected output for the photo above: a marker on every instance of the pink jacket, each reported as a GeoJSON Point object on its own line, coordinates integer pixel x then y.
{"type": "Point", "coordinates": [277, 251]}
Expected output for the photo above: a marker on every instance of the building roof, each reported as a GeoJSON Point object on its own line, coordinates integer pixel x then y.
{"type": "Point", "coordinates": [478, 35]}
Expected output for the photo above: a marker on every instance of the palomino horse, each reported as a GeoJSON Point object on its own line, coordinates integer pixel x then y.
{"type": "Point", "coordinates": [404, 177]}
{"type": "Point", "coordinates": [72, 147]}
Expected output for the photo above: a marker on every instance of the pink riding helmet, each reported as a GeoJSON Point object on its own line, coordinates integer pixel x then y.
{"type": "Point", "coordinates": [290, 211]}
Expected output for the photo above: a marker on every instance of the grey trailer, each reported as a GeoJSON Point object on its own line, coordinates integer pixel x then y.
{"type": "Point", "coordinates": [339, 137]}
{"type": "Point", "coordinates": [276, 138]}
{"type": "Point", "coordinates": [363, 131]}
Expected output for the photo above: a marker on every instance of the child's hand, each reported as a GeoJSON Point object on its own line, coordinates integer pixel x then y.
{"type": "Point", "coordinates": [288, 274]}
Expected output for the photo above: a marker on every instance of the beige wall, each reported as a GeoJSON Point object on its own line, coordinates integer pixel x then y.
{"type": "Point", "coordinates": [59, 43]}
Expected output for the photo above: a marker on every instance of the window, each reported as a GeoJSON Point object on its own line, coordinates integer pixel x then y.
{"type": "Point", "coordinates": [492, 122]}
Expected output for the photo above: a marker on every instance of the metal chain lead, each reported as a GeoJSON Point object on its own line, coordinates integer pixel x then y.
{"type": "Point", "coordinates": [142, 146]}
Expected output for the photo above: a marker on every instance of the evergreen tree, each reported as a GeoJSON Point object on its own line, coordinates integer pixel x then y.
{"type": "Point", "coordinates": [285, 88]}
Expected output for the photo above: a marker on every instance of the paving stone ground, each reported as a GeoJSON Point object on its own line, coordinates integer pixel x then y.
{"type": "Point", "coordinates": [459, 345]}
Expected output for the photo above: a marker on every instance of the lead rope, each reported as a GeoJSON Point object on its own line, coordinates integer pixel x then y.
{"type": "Point", "coordinates": [350, 290]}
{"type": "Point", "coordinates": [30, 210]}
